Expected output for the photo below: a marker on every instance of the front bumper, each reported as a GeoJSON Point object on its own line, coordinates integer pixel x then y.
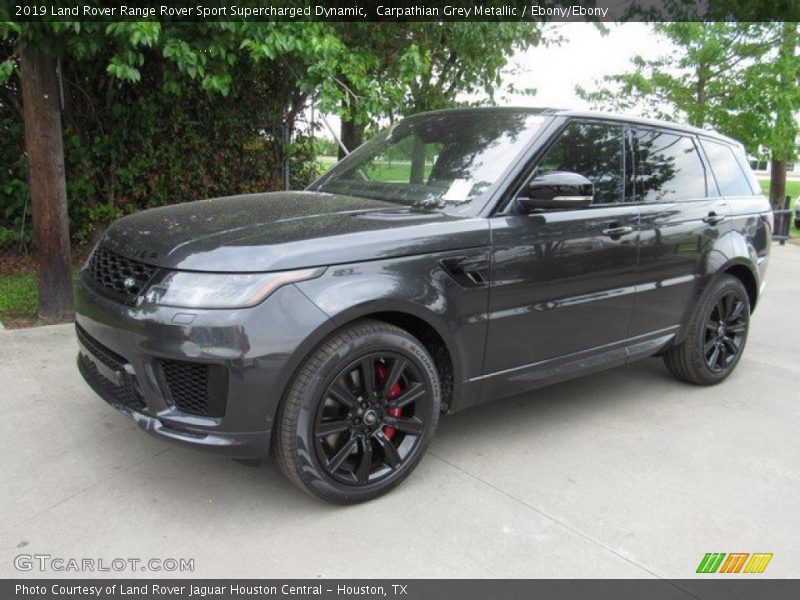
{"type": "Point", "coordinates": [245, 356]}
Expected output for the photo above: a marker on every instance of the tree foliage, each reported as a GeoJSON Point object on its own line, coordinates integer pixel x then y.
{"type": "Point", "coordinates": [730, 76]}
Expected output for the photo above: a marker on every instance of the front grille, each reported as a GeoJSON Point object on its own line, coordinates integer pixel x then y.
{"type": "Point", "coordinates": [120, 277]}
{"type": "Point", "coordinates": [125, 393]}
{"type": "Point", "coordinates": [195, 388]}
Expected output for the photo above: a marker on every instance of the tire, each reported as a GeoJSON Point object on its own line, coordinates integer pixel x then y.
{"type": "Point", "coordinates": [339, 442]}
{"type": "Point", "coordinates": [716, 335]}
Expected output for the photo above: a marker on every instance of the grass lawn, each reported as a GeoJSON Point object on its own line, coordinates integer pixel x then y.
{"type": "Point", "coordinates": [18, 296]}
{"type": "Point", "coordinates": [324, 163]}
{"type": "Point", "coordinates": [398, 171]}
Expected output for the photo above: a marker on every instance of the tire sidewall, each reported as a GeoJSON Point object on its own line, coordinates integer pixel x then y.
{"type": "Point", "coordinates": [309, 468]}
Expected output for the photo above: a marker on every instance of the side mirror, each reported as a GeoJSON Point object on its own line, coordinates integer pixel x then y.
{"type": "Point", "coordinates": [558, 189]}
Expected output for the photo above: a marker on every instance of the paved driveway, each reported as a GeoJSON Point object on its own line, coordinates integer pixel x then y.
{"type": "Point", "coordinates": [624, 474]}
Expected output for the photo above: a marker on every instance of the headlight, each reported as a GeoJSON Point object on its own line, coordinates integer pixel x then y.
{"type": "Point", "coordinates": [187, 289]}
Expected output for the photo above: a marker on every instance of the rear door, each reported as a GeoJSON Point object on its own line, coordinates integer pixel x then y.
{"type": "Point", "coordinates": [562, 280]}
{"type": "Point", "coordinates": [683, 218]}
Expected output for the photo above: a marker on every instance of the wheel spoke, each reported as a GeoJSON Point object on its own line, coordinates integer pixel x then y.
{"type": "Point", "coordinates": [709, 345]}
{"type": "Point", "coordinates": [732, 345]}
{"type": "Point", "coordinates": [340, 392]}
{"type": "Point", "coordinates": [720, 309]}
{"type": "Point", "coordinates": [390, 454]}
{"type": "Point", "coordinates": [712, 360]}
{"type": "Point", "coordinates": [368, 375]}
{"type": "Point", "coordinates": [724, 354]}
{"type": "Point", "coordinates": [332, 427]}
{"type": "Point", "coordinates": [394, 375]}
{"type": "Point", "coordinates": [737, 311]}
{"type": "Point", "coordinates": [711, 326]}
{"type": "Point", "coordinates": [727, 303]}
{"type": "Point", "coordinates": [365, 466]}
{"type": "Point", "coordinates": [415, 392]}
{"type": "Point", "coordinates": [405, 424]}
{"type": "Point", "coordinates": [737, 328]}
{"type": "Point", "coordinates": [336, 462]}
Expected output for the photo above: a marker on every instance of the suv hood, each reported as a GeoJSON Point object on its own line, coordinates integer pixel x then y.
{"type": "Point", "coordinates": [285, 230]}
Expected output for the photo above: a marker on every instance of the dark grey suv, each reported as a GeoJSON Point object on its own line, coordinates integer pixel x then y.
{"type": "Point", "coordinates": [457, 257]}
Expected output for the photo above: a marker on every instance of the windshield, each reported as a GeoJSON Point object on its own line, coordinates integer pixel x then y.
{"type": "Point", "coordinates": [441, 160]}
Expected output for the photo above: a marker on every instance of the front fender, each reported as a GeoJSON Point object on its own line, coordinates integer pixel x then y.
{"type": "Point", "coordinates": [416, 286]}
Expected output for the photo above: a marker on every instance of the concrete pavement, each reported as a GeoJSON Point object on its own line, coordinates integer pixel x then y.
{"type": "Point", "coordinates": [624, 474]}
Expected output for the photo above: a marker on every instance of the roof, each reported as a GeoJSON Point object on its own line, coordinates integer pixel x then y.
{"type": "Point", "coordinates": [587, 114]}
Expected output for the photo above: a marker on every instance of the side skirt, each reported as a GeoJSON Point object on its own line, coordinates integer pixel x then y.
{"type": "Point", "coordinates": [543, 373]}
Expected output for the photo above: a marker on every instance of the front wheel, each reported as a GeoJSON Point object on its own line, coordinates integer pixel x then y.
{"type": "Point", "coordinates": [359, 414]}
{"type": "Point", "coordinates": [715, 336]}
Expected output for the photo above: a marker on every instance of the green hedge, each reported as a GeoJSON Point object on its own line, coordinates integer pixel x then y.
{"type": "Point", "coordinates": [133, 146]}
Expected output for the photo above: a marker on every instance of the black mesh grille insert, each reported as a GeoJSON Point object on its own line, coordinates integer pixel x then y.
{"type": "Point", "coordinates": [124, 392]}
{"type": "Point", "coordinates": [195, 388]}
{"type": "Point", "coordinates": [122, 278]}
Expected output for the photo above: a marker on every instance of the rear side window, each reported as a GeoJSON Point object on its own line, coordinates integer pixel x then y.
{"type": "Point", "coordinates": [668, 167]}
{"type": "Point", "coordinates": [731, 179]}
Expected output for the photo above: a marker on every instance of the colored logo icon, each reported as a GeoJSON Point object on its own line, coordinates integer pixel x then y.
{"type": "Point", "coordinates": [734, 562]}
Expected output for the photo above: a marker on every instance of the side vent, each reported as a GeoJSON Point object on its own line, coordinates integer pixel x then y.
{"type": "Point", "coordinates": [469, 271]}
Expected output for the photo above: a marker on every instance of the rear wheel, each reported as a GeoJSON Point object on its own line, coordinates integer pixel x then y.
{"type": "Point", "coordinates": [359, 415]}
{"type": "Point", "coordinates": [716, 335]}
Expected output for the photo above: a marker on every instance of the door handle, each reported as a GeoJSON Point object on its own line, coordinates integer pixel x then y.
{"type": "Point", "coordinates": [713, 218]}
{"type": "Point", "coordinates": [617, 232]}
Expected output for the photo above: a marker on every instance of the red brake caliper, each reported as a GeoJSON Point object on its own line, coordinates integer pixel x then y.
{"type": "Point", "coordinates": [382, 373]}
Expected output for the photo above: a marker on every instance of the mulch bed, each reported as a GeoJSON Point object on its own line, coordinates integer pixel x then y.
{"type": "Point", "coordinates": [13, 262]}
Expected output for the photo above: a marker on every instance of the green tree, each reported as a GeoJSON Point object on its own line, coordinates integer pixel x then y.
{"type": "Point", "coordinates": [694, 82]}
{"type": "Point", "coordinates": [740, 78]}
{"type": "Point", "coordinates": [771, 102]}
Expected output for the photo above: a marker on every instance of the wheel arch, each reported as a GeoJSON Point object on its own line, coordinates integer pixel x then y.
{"type": "Point", "coordinates": [420, 322]}
{"type": "Point", "coordinates": [416, 320]}
{"type": "Point", "coordinates": [746, 275]}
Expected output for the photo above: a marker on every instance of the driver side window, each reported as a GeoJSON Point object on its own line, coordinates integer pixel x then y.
{"type": "Point", "coordinates": [594, 150]}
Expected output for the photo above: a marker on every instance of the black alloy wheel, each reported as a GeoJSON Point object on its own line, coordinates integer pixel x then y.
{"type": "Point", "coordinates": [715, 337]}
{"type": "Point", "coordinates": [359, 414]}
{"type": "Point", "coordinates": [371, 419]}
{"type": "Point", "coordinates": [725, 331]}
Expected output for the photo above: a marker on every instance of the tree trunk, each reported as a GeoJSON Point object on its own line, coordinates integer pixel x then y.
{"type": "Point", "coordinates": [418, 162]}
{"type": "Point", "coordinates": [777, 183]}
{"type": "Point", "coordinates": [352, 133]}
{"type": "Point", "coordinates": [352, 136]}
{"type": "Point", "coordinates": [41, 104]}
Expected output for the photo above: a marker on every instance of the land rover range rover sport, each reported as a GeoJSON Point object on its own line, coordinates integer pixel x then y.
{"type": "Point", "coordinates": [457, 257]}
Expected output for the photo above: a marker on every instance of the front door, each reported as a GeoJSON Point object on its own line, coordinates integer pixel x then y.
{"type": "Point", "coordinates": [562, 281]}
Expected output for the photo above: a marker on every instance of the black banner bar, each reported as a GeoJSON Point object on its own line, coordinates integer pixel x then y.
{"type": "Point", "coordinates": [713, 588]}
{"type": "Point", "coordinates": [402, 10]}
